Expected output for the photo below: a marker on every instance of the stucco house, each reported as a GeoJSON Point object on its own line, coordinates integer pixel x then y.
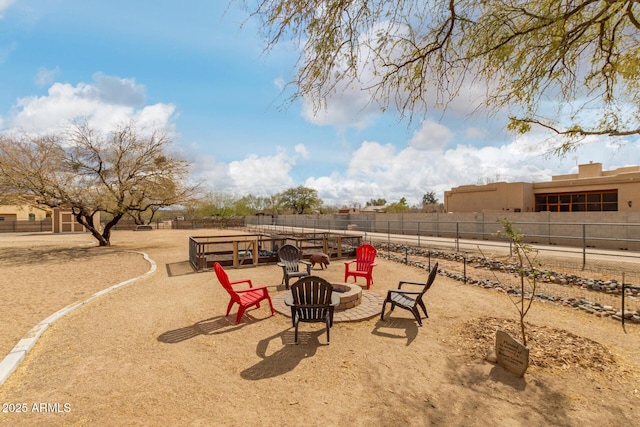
{"type": "Point", "coordinates": [589, 190]}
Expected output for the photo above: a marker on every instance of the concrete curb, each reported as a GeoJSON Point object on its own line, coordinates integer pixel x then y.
{"type": "Point", "coordinates": [19, 352]}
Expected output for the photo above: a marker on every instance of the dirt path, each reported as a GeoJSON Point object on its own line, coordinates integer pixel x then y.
{"type": "Point", "coordinates": [161, 352]}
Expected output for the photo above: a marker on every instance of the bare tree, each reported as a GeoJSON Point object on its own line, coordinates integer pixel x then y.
{"type": "Point", "coordinates": [123, 172]}
{"type": "Point", "coordinates": [527, 270]}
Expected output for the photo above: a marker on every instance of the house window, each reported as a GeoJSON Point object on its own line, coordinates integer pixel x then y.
{"type": "Point", "coordinates": [32, 217]}
{"type": "Point", "coordinates": [585, 201]}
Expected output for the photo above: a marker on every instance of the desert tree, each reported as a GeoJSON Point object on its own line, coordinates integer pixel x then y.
{"type": "Point", "coordinates": [429, 198]}
{"type": "Point", "coordinates": [376, 202]}
{"type": "Point", "coordinates": [398, 207]}
{"type": "Point", "coordinates": [527, 270]}
{"type": "Point", "coordinates": [301, 199]}
{"type": "Point", "coordinates": [123, 172]}
{"type": "Point", "coordinates": [580, 57]}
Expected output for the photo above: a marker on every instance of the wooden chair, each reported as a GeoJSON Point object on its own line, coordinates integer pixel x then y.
{"type": "Point", "coordinates": [312, 300]}
{"type": "Point", "coordinates": [410, 300]}
{"type": "Point", "coordinates": [364, 263]}
{"type": "Point", "coordinates": [290, 260]}
{"type": "Point", "coordinates": [245, 298]}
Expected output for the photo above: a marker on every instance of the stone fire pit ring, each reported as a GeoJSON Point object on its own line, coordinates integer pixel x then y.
{"type": "Point", "coordinates": [350, 295]}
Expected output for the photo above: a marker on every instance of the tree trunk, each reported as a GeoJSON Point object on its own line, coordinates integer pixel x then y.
{"type": "Point", "coordinates": [87, 221]}
{"type": "Point", "coordinates": [106, 233]}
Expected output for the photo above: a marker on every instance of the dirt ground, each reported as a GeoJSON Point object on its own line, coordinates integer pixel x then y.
{"type": "Point", "coordinates": [161, 352]}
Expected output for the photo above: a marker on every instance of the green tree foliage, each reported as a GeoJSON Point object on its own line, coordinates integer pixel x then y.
{"type": "Point", "coordinates": [120, 173]}
{"type": "Point", "coordinates": [301, 199]}
{"type": "Point", "coordinates": [377, 202]}
{"type": "Point", "coordinates": [429, 198]}
{"type": "Point", "coordinates": [418, 54]}
{"type": "Point", "coordinates": [248, 205]}
{"type": "Point", "coordinates": [398, 207]}
{"type": "Point", "coordinates": [226, 205]}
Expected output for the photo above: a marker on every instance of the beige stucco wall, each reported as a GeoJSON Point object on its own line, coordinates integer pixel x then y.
{"type": "Point", "coordinates": [497, 196]}
{"type": "Point", "coordinates": [21, 213]}
{"type": "Point", "coordinates": [508, 197]}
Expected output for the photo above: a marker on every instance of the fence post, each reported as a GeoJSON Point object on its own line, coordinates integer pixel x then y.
{"type": "Point", "coordinates": [623, 292]}
{"type": "Point", "coordinates": [584, 245]}
{"type": "Point", "coordinates": [418, 233]}
{"type": "Point", "coordinates": [465, 268]}
{"type": "Point", "coordinates": [457, 237]}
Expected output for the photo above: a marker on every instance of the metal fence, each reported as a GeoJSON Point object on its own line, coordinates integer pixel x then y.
{"type": "Point", "coordinates": [604, 282]}
{"type": "Point", "coordinates": [584, 240]}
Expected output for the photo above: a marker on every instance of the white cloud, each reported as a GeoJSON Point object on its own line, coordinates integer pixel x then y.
{"type": "Point", "coordinates": [348, 107]}
{"type": "Point", "coordinates": [259, 176]}
{"type": "Point", "coordinates": [430, 136]}
{"type": "Point", "coordinates": [4, 5]}
{"type": "Point", "coordinates": [302, 151]}
{"type": "Point", "coordinates": [356, 102]}
{"type": "Point", "coordinates": [280, 83]}
{"type": "Point", "coordinates": [370, 160]}
{"type": "Point", "coordinates": [104, 103]}
{"type": "Point", "coordinates": [380, 171]}
{"type": "Point", "coordinates": [46, 76]}
{"type": "Point", "coordinates": [475, 133]}
{"type": "Point", "coordinates": [115, 90]}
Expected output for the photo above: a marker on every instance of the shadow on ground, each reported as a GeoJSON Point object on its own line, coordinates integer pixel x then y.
{"type": "Point", "coordinates": [397, 329]}
{"type": "Point", "coordinates": [286, 358]}
{"type": "Point", "coordinates": [28, 256]}
{"type": "Point", "coordinates": [213, 326]}
{"type": "Point", "coordinates": [181, 268]}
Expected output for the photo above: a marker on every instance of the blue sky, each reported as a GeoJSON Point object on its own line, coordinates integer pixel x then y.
{"type": "Point", "coordinates": [190, 67]}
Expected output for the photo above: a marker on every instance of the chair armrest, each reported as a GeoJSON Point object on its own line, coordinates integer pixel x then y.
{"type": "Point", "coordinates": [257, 288]}
{"type": "Point", "coordinates": [307, 264]}
{"type": "Point", "coordinates": [406, 282]}
{"type": "Point", "coordinates": [349, 262]}
{"type": "Point", "coordinates": [403, 291]}
{"type": "Point", "coordinates": [237, 282]}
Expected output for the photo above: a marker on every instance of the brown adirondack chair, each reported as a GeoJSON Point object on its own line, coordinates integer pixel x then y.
{"type": "Point", "coordinates": [312, 300]}
{"type": "Point", "coordinates": [290, 261]}
{"type": "Point", "coordinates": [245, 298]}
{"type": "Point", "coordinates": [364, 263]}
{"type": "Point", "coordinates": [408, 299]}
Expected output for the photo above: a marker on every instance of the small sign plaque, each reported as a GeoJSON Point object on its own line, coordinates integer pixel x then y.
{"type": "Point", "coordinates": [512, 355]}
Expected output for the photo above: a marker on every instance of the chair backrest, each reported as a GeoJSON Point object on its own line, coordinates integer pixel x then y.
{"type": "Point", "coordinates": [312, 298]}
{"type": "Point", "coordinates": [365, 255]}
{"type": "Point", "coordinates": [289, 255]}
{"type": "Point", "coordinates": [223, 278]}
{"type": "Point", "coordinates": [432, 277]}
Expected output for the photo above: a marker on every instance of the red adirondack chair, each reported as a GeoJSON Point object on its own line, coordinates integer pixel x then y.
{"type": "Point", "coordinates": [245, 298]}
{"type": "Point", "coordinates": [364, 263]}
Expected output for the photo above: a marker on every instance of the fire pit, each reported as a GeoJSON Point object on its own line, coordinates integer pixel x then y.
{"type": "Point", "coordinates": [350, 295]}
